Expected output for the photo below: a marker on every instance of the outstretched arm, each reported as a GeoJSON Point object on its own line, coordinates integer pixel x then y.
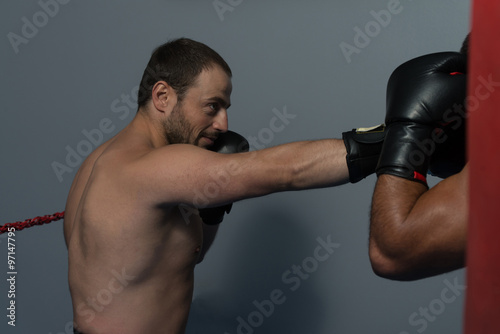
{"type": "Point", "coordinates": [416, 232]}
{"type": "Point", "coordinates": [186, 174]}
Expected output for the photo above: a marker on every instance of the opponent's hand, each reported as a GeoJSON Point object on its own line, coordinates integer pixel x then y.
{"type": "Point", "coordinates": [419, 93]}
{"type": "Point", "coordinates": [449, 157]}
{"type": "Point", "coordinates": [228, 142]}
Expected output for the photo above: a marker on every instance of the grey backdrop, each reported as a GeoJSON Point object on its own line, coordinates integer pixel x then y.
{"type": "Point", "coordinates": [72, 67]}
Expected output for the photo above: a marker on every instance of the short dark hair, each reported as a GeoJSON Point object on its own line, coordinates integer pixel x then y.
{"type": "Point", "coordinates": [178, 63]}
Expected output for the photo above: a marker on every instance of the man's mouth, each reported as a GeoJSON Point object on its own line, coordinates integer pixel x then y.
{"type": "Point", "coordinates": [210, 140]}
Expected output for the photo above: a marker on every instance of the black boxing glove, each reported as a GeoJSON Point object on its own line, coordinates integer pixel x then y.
{"type": "Point", "coordinates": [227, 142]}
{"type": "Point", "coordinates": [419, 93]}
{"type": "Point", "coordinates": [363, 147]}
{"type": "Point", "coordinates": [449, 158]}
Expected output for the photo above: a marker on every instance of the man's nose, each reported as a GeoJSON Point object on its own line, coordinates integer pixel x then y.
{"type": "Point", "coordinates": [220, 122]}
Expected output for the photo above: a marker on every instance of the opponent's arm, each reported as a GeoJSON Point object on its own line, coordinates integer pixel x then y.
{"type": "Point", "coordinates": [416, 232]}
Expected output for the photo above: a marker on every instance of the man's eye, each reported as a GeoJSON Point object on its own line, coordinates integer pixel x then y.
{"type": "Point", "coordinates": [214, 106]}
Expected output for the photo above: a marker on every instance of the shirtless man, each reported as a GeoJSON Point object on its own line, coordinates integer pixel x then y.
{"type": "Point", "coordinates": [131, 249]}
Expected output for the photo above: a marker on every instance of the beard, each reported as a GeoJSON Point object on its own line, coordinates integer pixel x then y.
{"type": "Point", "coordinates": [178, 130]}
{"type": "Point", "coordinates": [176, 127]}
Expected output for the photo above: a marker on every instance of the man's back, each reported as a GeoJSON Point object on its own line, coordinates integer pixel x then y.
{"type": "Point", "coordinates": [131, 258]}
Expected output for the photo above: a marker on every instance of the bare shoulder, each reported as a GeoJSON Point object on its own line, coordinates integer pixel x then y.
{"type": "Point", "coordinates": [187, 174]}
{"type": "Point", "coordinates": [166, 173]}
{"type": "Point", "coordinates": [194, 176]}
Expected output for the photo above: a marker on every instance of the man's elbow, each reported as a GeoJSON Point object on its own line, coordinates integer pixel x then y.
{"type": "Point", "coordinates": [388, 266]}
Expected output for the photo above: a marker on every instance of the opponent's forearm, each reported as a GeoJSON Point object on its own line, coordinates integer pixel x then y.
{"type": "Point", "coordinates": [417, 233]}
{"type": "Point", "coordinates": [393, 200]}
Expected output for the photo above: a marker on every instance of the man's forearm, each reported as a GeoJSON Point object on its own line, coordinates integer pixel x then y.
{"type": "Point", "coordinates": [293, 166]}
{"type": "Point", "coordinates": [321, 163]}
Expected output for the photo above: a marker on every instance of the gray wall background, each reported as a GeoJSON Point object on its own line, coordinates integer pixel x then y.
{"type": "Point", "coordinates": [68, 65]}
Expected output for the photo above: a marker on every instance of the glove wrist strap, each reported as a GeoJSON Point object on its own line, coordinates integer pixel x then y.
{"type": "Point", "coordinates": [363, 147]}
{"type": "Point", "coordinates": [406, 152]}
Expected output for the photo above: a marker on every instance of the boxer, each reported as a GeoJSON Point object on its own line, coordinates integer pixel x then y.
{"type": "Point", "coordinates": [134, 214]}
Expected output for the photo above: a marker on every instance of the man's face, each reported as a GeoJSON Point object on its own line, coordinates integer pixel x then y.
{"type": "Point", "coordinates": [202, 114]}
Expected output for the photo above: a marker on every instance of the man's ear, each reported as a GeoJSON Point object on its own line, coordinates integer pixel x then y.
{"type": "Point", "coordinates": [164, 97]}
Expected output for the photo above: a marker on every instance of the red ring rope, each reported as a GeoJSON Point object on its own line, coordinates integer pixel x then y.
{"type": "Point", "coordinates": [32, 221]}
